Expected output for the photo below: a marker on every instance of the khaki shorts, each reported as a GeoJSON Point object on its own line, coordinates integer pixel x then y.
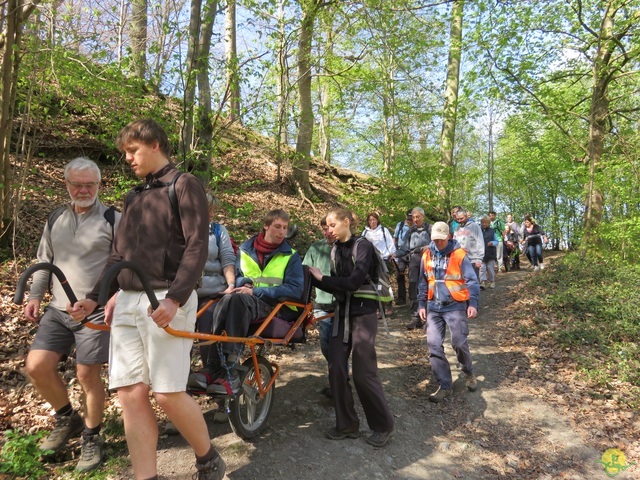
{"type": "Point", "coordinates": [142, 352]}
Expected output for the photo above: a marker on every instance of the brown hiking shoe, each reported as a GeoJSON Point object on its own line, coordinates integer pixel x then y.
{"type": "Point", "coordinates": [472, 382]}
{"type": "Point", "coordinates": [66, 427]}
{"type": "Point", "coordinates": [440, 395]}
{"type": "Point", "coordinates": [212, 470]}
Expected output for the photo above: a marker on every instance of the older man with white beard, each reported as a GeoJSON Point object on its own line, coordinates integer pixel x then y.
{"type": "Point", "coordinates": [77, 238]}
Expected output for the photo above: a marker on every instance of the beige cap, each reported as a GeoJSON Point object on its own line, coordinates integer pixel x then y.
{"type": "Point", "coordinates": [439, 231]}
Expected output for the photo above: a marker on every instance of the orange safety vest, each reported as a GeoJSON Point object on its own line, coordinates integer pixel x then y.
{"type": "Point", "coordinates": [452, 278]}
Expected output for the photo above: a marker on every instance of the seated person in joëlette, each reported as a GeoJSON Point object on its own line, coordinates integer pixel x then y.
{"type": "Point", "coordinates": [267, 270]}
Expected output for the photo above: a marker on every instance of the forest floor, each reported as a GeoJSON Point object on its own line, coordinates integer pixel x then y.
{"type": "Point", "coordinates": [527, 420]}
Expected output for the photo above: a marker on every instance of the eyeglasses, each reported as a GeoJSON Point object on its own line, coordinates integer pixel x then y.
{"type": "Point", "coordinates": [78, 185]}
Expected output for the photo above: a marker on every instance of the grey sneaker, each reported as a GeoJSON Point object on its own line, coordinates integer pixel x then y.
{"type": "Point", "coordinates": [440, 395]}
{"type": "Point", "coordinates": [212, 470]}
{"type": "Point", "coordinates": [380, 439]}
{"type": "Point", "coordinates": [91, 453]}
{"type": "Point", "coordinates": [66, 427]}
{"type": "Point", "coordinates": [472, 382]}
{"type": "Point", "coordinates": [223, 386]}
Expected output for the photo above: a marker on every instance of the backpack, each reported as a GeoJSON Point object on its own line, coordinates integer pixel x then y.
{"type": "Point", "coordinates": [214, 227]}
{"type": "Point", "coordinates": [377, 288]}
{"type": "Point", "coordinates": [109, 216]}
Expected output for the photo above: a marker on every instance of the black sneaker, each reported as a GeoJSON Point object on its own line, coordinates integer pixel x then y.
{"type": "Point", "coordinates": [415, 323]}
{"type": "Point", "coordinates": [91, 453]}
{"type": "Point", "coordinates": [66, 427]}
{"type": "Point", "coordinates": [335, 434]}
{"type": "Point", "coordinates": [212, 470]}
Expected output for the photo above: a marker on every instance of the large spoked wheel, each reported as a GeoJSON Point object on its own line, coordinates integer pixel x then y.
{"type": "Point", "coordinates": [248, 412]}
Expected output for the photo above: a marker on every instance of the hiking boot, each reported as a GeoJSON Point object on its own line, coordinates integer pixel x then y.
{"type": "Point", "coordinates": [415, 323]}
{"type": "Point", "coordinates": [212, 470]}
{"type": "Point", "coordinates": [380, 439]}
{"type": "Point", "coordinates": [472, 382]}
{"type": "Point", "coordinates": [536, 268]}
{"type": "Point", "coordinates": [492, 285]}
{"type": "Point", "coordinates": [90, 453]}
{"type": "Point", "coordinates": [335, 434]}
{"type": "Point", "coordinates": [66, 427]}
{"type": "Point", "coordinates": [541, 266]}
{"type": "Point", "coordinates": [440, 395]}
{"type": "Point", "coordinates": [223, 386]}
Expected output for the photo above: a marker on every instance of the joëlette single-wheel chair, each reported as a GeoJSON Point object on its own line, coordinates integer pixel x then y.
{"type": "Point", "coordinates": [250, 407]}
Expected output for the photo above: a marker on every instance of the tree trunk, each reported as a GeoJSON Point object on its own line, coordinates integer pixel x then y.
{"type": "Point", "coordinates": [282, 137]}
{"type": "Point", "coordinates": [305, 115]}
{"type": "Point", "coordinates": [188, 103]}
{"type": "Point", "coordinates": [490, 160]}
{"type": "Point", "coordinates": [9, 55]}
{"type": "Point", "coordinates": [231, 57]}
{"type": "Point", "coordinates": [325, 101]}
{"type": "Point", "coordinates": [599, 111]}
{"type": "Point", "coordinates": [139, 37]}
{"type": "Point", "coordinates": [449, 113]}
{"type": "Point", "coordinates": [14, 14]}
{"type": "Point", "coordinates": [205, 125]}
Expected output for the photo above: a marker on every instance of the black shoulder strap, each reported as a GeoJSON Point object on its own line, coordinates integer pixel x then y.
{"type": "Point", "coordinates": [110, 217]}
{"type": "Point", "coordinates": [173, 197]}
{"type": "Point", "coordinates": [53, 216]}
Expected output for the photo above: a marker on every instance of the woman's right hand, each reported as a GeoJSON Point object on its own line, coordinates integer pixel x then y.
{"type": "Point", "coordinates": [316, 273]}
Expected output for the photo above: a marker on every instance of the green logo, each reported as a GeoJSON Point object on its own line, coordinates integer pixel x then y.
{"type": "Point", "coordinates": [614, 461]}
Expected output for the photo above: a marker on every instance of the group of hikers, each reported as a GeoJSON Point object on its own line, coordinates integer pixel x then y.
{"type": "Point", "coordinates": [167, 227]}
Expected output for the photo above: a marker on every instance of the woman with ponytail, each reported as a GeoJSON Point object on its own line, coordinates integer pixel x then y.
{"type": "Point", "coordinates": [354, 332]}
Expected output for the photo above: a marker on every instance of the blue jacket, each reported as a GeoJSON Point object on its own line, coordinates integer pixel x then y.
{"type": "Point", "coordinates": [293, 282]}
{"type": "Point", "coordinates": [447, 303]}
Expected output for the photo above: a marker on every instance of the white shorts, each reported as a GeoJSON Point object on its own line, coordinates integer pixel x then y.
{"type": "Point", "coordinates": [142, 352]}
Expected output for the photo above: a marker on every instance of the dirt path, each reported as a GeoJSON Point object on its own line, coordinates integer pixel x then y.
{"type": "Point", "coordinates": [502, 430]}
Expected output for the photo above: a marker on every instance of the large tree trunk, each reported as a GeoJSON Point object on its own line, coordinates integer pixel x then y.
{"type": "Point", "coordinates": [599, 111]}
{"type": "Point", "coordinates": [231, 57]}
{"type": "Point", "coordinates": [450, 111]}
{"type": "Point", "coordinates": [305, 115]}
{"type": "Point", "coordinates": [139, 37]}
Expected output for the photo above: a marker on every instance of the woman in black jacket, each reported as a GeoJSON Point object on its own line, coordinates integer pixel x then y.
{"type": "Point", "coordinates": [354, 332]}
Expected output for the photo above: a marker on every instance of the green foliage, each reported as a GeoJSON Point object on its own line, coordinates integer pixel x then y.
{"type": "Point", "coordinates": [595, 304]}
{"type": "Point", "coordinates": [620, 239]}
{"type": "Point", "coordinates": [93, 99]}
{"type": "Point", "coordinates": [20, 455]}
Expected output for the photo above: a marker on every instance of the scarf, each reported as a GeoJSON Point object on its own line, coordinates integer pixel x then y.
{"type": "Point", "coordinates": [263, 248]}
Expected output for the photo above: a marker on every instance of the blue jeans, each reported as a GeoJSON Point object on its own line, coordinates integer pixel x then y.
{"type": "Point", "coordinates": [534, 252]}
{"type": "Point", "coordinates": [459, 329]}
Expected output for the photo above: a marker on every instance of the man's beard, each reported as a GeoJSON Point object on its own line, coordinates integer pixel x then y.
{"type": "Point", "coordinates": [85, 202]}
